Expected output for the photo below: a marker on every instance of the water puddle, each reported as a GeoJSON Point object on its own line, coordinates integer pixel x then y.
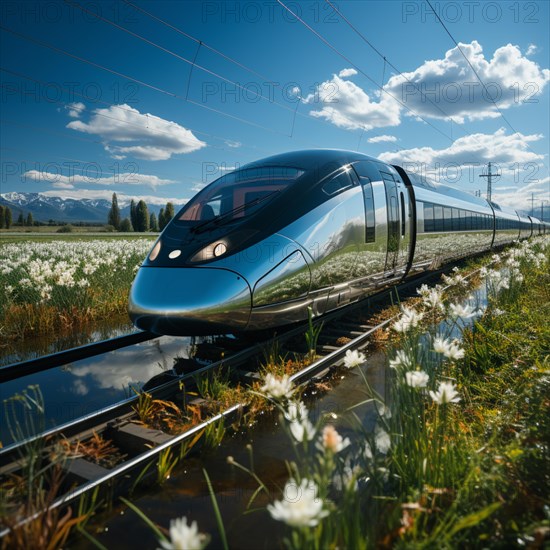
{"type": "Point", "coordinates": [37, 346]}
{"type": "Point", "coordinates": [186, 494]}
{"type": "Point", "coordinates": [79, 388]}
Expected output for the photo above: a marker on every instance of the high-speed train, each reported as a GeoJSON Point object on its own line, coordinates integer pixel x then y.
{"type": "Point", "coordinates": [308, 229]}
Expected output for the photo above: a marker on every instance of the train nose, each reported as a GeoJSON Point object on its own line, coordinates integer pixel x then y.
{"type": "Point", "coordinates": [189, 301]}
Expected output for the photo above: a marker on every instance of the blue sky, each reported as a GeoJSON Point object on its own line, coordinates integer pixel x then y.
{"type": "Point", "coordinates": [131, 116]}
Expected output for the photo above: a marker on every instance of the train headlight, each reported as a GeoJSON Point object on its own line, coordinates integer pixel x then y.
{"type": "Point", "coordinates": [210, 252]}
{"type": "Point", "coordinates": [155, 252]}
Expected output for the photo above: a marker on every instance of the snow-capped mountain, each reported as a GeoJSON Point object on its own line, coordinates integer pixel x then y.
{"type": "Point", "coordinates": [44, 208]}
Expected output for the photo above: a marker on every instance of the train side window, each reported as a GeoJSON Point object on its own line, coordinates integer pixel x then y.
{"type": "Point", "coordinates": [456, 219]}
{"type": "Point", "coordinates": [447, 219]}
{"type": "Point", "coordinates": [428, 217]}
{"type": "Point", "coordinates": [370, 224]}
{"type": "Point", "coordinates": [337, 184]}
{"type": "Point", "coordinates": [460, 222]}
{"type": "Point", "coordinates": [438, 218]}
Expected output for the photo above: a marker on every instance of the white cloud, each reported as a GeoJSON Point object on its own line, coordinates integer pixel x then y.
{"type": "Point", "coordinates": [473, 148]}
{"type": "Point", "coordinates": [531, 49]}
{"type": "Point", "coordinates": [348, 106]}
{"type": "Point", "coordinates": [60, 181]}
{"type": "Point", "coordinates": [123, 198]}
{"type": "Point", "coordinates": [450, 84]}
{"type": "Point", "coordinates": [347, 72]}
{"type": "Point", "coordinates": [125, 131]}
{"type": "Point", "coordinates": [75, 109]}
{"type": "Point", "coordinates": [379, 139]}
{"type": "Point", "coordinates": [233, 144]}
{"type": "Point", "coordinates": [519, 197]}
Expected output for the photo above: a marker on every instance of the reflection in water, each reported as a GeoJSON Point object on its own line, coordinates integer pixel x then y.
{"type": "Point", "coordinates": [186, 493]}
{"type": "Point", "coordinates": [82, 387]}
{"type": "Point", "coordinates": [37, 346]}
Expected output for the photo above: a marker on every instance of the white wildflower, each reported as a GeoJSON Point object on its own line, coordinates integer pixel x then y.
{"type": "Point", "coordinates": [382, 443]}
{"type": "Point", "coordinates": [449, 349]}
{"type": "Point", "coordinates": [295, 411]}
{"type": "Point", "coordinates": [302, 430]}
{"type": "Point", "coordinates": [464, 312]}
{"type": "Point", "coordinates": [401, 359]}
{"type": "Point", "coordinates": [434, 298]}
{"type": "Point", "coordinates": [409, 319]}
{"type": "Point", "coordinates": [446, 393]}
{"type": "Point", "coordinates": [301, 507]}
{"type": "Point", "coordinates": [354, 358]}
{"type": "Point", "coordinates": [300, 426]}
{"type": "Point", "coordinates": [332, 441]}
{"type": "Point", "coordinates": [185, 537]}
{"type": "Point", "coordinates": [417, 378]}
{"type": "Point", "coordinates": [277, 388]}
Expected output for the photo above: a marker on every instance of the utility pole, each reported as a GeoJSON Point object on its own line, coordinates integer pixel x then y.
{"type": "Point", "coordinates": [489, 175]}
{"type": "Point", "coordinates": [532, 204]}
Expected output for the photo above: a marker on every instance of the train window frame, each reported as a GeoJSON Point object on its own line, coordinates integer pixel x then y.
{"type": "Point", "coordinates": [370, 211]}
{"type": "Point", "coordinates": [340, 189]}
{"type": "Point", "coordinates": [447, 218]}
{"type": "Point", "coordinates": [428, 217]}
{"type": "Point", "coordinates": [403, 221]}
{"type": "Point", "coordinates": [438, 218]}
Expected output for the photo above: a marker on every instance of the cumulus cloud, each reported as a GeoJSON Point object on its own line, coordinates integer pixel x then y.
{"type": "Point", "coordinates": [347, 72]}
{"type": "Point", "coordinates": [384, 138]}
{"type": "Point", "coordinates": [348, 106]}
{"type": "Point", "coordinates": [125, 131]}
{"type": "Point", "coordinates": [450, 84]}
{"type": "Point", "coordinates": [500, 147]}
{"type": "Point", "coordinates": [60, 181]}
{"type": "Point", "coordinates": [75, 109]}
{"type": "Point", "coordinates": [531, 49]}
{"type": "Point", "coordinates": [518, 197]}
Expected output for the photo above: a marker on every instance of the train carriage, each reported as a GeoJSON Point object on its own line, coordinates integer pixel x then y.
{"type": "Point", "coordinates": [315, 229]}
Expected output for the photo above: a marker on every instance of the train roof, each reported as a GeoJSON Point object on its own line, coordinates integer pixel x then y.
{"type": "Point", "coordinates": [310, 159]}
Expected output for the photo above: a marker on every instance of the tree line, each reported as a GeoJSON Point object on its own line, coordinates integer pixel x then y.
{"type": "Point", "coordinates": [6, 218]}
{"type": "Point", "coordinates": [140, 220]}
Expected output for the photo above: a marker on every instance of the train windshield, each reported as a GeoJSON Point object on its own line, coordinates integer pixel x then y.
{"type": "Point", "coordinates": [238, 194]}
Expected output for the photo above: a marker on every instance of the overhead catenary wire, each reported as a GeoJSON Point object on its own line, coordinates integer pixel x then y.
{"type": "Point", "coordinates": [121, 108]}
{"type": "Point", "coordinates": [357, 68]}
{"type": "Point", "coordinates": [180, 57]}
{"type": "Point", "coordinates": [386, 60]}
{"type": "Point", "coordinates": [201, 43]}
{"type": "Point", "coordinates": [487, 94]}
{"type": "Point", "coordinates": [133, 79]}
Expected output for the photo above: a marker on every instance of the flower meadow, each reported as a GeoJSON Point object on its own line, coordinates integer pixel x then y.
{"type": "Point", "coordinates": [456, 455]}
{"type": "Point", "coordinates": [50, 286]}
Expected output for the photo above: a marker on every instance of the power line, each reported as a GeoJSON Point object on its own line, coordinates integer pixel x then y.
{"type": "Point", "coordinates": [141, 82]}
{"type": "Point", "coordinates": [121, 108]}
{"type": "Point", "coordinates": [476, 73]}
{"type": "Point", "coordinates": [177, 56]}
{"type": "Point", "coordinates": [383, 57]}
{"type": "Point", "coordinates": [203, 44]}
{"type": "Point", "coordinates": [343, 56]}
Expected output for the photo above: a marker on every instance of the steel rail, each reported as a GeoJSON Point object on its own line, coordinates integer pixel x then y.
{"type": "Point", "coordinates": [301, 378]}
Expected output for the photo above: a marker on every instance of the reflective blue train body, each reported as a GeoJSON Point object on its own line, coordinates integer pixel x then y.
{"type": "Point", "coordinates": [308, 229]}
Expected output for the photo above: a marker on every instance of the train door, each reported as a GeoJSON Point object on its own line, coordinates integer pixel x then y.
{"type": "Point", "coordinates": [392, 204]}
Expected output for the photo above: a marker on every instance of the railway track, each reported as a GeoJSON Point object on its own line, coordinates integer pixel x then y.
{"type": "Point", "coordinates": [345, 329]}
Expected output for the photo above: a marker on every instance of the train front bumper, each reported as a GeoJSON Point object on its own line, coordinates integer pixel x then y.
{"type": "Point", "coordinates": [189, 301]}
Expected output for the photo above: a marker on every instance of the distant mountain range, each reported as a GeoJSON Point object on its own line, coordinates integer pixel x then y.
{"type": "Point", "coordinates": [44, 208]}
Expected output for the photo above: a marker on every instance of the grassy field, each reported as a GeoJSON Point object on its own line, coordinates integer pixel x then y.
{"type": "Point", "coordinates": [55, 283]}
{"type": "Point", "coordinates": [459, 457]}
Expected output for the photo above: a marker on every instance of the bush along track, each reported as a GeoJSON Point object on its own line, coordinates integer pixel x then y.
{"type": "Point", "coordinates": [459, 453]}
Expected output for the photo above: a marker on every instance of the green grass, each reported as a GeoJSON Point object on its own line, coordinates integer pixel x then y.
{"type": "Point", "coordinates": [436, 474]}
